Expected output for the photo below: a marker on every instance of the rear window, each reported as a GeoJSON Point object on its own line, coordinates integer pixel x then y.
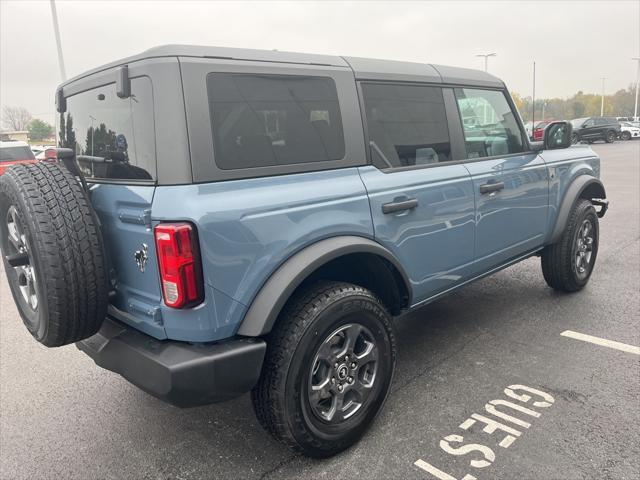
{"type": "Point", "coordinates": [9, 154]}
{"type": "Point", "coordinates": [268, 120]}
{"type": "Point", "coordinates": [113, 137]}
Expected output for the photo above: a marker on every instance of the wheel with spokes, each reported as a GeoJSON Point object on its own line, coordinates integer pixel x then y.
{"type": "Point", "coordinates": [51, 248]}
{"type": "Point", "coordinates": [610, 137]}
{"type": "Point", "coordinates": [567, 264]}
{"type": "Point", "coordinates": [328, 369]}
{"type": "Point", "coordinates": [18, 254]}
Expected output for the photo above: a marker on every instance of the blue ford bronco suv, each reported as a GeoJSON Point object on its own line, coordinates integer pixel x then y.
{"type": "Point", "coordinates": [224, 221]}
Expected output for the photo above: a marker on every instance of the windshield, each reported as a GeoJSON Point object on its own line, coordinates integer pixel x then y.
{"type": "Point", "coordinates": [8, 154]}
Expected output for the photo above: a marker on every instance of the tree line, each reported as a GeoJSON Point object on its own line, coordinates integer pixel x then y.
{"type": "Point", "coordinates": [619, 104]}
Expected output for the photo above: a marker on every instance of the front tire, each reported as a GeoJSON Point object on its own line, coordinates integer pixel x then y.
{"type": "Point", "coordinates": [574, 138]}
{"type": "Point", "coordinates": [625, 136]}
{"type": "Point", "coordinates": [567, 264]}
{"type": "Point", "coordinates": [328, 368]}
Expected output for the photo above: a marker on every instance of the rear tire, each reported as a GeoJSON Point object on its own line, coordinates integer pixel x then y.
{"type": "Point", "coordinates": [48, 226]}
{"type": "Point", "coordinates": [333, 347]}
{"type": "Point", "coordinates": [567, 264]}
{"type": "Point", "coordinates": [610, 137]}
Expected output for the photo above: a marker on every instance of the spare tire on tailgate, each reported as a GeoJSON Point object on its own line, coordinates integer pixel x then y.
{"type": "Point", "coordinates": [53, 253]}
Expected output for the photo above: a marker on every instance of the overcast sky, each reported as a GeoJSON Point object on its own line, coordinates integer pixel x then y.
{"type": "Point", "coordinates": [574, 43]}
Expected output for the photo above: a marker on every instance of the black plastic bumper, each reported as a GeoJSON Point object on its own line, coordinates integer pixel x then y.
{"type": "Point", "coordinates": [183, 374]}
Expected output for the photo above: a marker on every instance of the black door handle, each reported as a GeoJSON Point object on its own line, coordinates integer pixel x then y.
{"type": "Point", "coordinates": [400, 206]}
{"type": "Point", "coordinates": [491, 187]}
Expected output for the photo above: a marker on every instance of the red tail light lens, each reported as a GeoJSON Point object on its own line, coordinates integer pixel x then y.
{"type": "Point", "coordinates": [179, 263]}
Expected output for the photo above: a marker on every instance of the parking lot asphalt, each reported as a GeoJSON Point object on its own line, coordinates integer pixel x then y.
{"type": "Point", "coordinates": [63, 417]}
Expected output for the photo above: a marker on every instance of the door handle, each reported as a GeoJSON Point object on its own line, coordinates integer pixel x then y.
{"type": "Point", "coordinates": [491, 187]}
{"type": "Point", "coordinates": [399, 206]}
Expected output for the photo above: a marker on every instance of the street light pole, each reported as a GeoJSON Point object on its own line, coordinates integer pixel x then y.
{"type": "Point", "coordinates": [92, 132]}
{"type": "Point", "coordinates": [56, 30]}
{"type": "Point", "coordinates": [486, 59]}
{"type": "Point", "coordinates": [486, 69]}
{"type": "Point", "coordinates": [635, 110]}
{"type": "Point", "coordinates": [533, 100]}
{"type": "Point", "coordinates": [602, 101]}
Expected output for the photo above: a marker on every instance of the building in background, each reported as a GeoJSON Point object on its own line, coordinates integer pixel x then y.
{"type": "Point", "coordinates": [17, 135]}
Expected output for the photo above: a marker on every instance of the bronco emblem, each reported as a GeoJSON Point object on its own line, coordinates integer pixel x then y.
{"type": "Point", "coordinates": [141, 257]}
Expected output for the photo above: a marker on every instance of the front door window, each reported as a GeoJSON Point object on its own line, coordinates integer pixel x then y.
{"type": "Point", "coordinates": [489, 123]}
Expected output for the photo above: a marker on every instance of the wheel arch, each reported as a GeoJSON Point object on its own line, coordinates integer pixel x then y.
{"type": "Point", "coordinates": [348, 258]}
{"type": "Point", "coordinates": [583, 186]}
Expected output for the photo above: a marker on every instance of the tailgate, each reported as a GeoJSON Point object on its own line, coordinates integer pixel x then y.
{"type": "Point", "coordinates": [125, 216]}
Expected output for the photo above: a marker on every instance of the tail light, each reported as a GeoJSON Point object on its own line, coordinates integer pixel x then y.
{"type": "Point", "coordinates": [179, 263]}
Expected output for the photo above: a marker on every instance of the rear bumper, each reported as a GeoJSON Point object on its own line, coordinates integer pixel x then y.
{"type": "Point", "coordinates": [180, 373]}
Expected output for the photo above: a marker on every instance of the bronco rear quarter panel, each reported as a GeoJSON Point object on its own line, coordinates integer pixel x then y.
{"type": "Point", "coordinates": [248, 228]}
{"type": "Point", "coordinates": [252, 220]}
{"type": "Point", "coordinates": [565, 165]}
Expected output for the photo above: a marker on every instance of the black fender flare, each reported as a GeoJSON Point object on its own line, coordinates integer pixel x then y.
{"type": "Point", "coordinates": [576, 190]}
{"type": "Point", "coordinates": [273, 295]}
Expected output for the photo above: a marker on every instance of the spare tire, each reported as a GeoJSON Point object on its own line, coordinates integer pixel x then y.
{"type": "Point", "coordinates": [53, 253]}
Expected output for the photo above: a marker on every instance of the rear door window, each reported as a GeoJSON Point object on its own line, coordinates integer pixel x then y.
{"type": "Point", "coordinates": [489, 123]}
{"type": "Point", "coordinates": [113, 137]}
{"type": "Point", "coordinates": [407, 125]}
{"type": "Point", "coordinates": [267, 120]}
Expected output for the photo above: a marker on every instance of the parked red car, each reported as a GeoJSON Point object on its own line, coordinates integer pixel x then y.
{"type": "Point", "coordinates": [12, 153]}
{"type": "Point", "coordinates": [538, 131]}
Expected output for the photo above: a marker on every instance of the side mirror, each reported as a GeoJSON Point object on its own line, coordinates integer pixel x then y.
{"type": "Point", "coordinates": [557, 135]}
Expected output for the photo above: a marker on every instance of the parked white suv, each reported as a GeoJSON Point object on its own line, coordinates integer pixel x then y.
{"type": "Point", "coordinates": [628, 131]}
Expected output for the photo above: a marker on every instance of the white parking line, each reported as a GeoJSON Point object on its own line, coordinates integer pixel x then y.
{"type": "Point", "coordinates": [601, 341]}
{"type": "Point", "coordinates": [439, 474]}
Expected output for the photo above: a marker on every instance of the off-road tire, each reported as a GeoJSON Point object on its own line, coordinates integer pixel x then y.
{"type": "Point", "coordinates": [65, 247]}
{"type": "Point", "coordinates": [280, 398]}
{"type": "Point", "coordinates": [558, 259]}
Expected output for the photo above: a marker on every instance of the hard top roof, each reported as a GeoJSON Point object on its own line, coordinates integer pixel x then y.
{"type": "Point", "coordinates": [363, 68]}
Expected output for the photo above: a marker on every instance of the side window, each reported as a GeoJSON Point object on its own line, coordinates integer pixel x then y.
{"type": "Point", "coordinates": [407, 124]}
{"type": "Point", "coordinates": [589, 123]}
{"type": "Point", "coordinates": [267, 120]}
{"type": "Point", "coordinates": [490, 126]}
